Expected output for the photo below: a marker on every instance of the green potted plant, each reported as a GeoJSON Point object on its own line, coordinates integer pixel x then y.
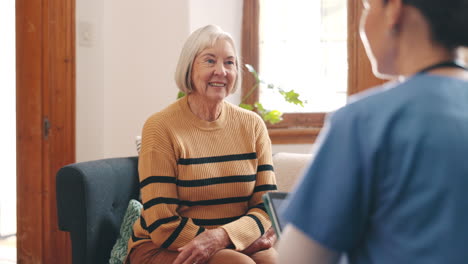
{"type": "Point", "coordinates": [271, 116]}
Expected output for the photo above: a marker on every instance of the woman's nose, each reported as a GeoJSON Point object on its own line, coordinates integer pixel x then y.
{"type": "Point", "coordinates": [220, 69]}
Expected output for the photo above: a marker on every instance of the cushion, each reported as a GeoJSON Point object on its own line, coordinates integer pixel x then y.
{"type": "Point", "coordinates": [288, 168]}
{"type": "Point", "coordinates": [138, 143]}
{"type": "Point", "coordinates": [119, 251]}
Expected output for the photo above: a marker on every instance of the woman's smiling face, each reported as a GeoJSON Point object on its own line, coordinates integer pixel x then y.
{"type": "Point", "coordinates": [214, 71]}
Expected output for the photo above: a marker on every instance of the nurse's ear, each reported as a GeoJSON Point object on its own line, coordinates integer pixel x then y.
{"type": "Point", "coordinates": [393, 14]}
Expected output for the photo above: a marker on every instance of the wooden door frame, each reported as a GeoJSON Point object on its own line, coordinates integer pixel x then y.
{"type": "Point", "coordinates": [45, 89]}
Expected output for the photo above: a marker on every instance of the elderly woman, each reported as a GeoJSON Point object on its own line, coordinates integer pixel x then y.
{"type": "Point", "coordinates": [389, 181]}
{"type": "Point", "coordinates": [204, 166]}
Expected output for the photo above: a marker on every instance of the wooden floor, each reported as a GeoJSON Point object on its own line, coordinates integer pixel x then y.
{"type": "Point", "coordinates": [8, 250]}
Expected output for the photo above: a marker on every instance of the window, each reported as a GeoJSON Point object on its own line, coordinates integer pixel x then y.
{"type": "Point", "coordinates": [333, 59]}
{"type": "Point", "coordinates": [303, 47]}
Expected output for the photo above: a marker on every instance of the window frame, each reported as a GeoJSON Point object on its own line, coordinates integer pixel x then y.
{"type": "Point", "coordinates": [299, 128]}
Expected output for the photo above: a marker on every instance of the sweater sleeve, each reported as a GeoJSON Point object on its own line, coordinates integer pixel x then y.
{"type": "Point", "coordinates": [157, 171]}
{"type": "Point", "coordinates": [256, 221]}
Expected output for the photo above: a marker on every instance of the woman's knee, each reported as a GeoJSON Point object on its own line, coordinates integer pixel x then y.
{"type": "Point", "coordinates": [269, 256]}
{"type": "Point", "coordinates": [149, 253]}
{"type": "Point", "coordinates": [229, 256]}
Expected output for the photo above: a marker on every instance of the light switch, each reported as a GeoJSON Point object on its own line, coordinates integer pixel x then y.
{"type": "Point", "coordinates": [86, 34]}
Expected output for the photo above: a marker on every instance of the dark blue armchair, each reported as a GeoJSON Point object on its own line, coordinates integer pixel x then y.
{"type": "Point", "coordinates": [92, 198]}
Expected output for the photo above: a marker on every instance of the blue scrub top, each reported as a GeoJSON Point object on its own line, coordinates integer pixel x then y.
{"type": "Point", "coordinates": [389, 182]}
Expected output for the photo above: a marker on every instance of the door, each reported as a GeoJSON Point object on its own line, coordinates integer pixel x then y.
{"type": "Point", "coordinates": [45, 114]}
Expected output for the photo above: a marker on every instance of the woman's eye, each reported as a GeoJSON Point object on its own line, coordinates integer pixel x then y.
{"type": "Point", "coordinates": [230, 62]}
{"type": "Point", "coordinates": [210, 61]}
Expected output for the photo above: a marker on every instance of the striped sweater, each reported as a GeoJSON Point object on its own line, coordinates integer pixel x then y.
{"type": "Point", "coordinates": [197, 175]}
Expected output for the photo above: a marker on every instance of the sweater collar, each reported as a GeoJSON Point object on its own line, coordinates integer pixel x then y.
{"type": "Point", "coordinates": [202, 124]}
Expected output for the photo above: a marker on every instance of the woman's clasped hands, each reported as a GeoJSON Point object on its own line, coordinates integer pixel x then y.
{"type": "Point", "coordinates": [203, 247]}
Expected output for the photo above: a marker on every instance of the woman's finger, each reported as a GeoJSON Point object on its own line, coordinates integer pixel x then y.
{"type": "Point", "coordinates": [184, 254]}
{"type": "Point", "coordinates": [193, 259]}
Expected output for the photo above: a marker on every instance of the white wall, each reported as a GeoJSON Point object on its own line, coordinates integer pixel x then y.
{"type": "Point", "coordinates": [90, 80]}
{"type": "Point", "coordinates": [142, 47]}
{"type": "Point", "coordinates": [8, 117]}
{"type": "Point", "coordinates": [126, 73]}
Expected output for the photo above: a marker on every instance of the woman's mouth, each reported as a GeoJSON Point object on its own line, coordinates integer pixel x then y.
{"type": "Point", "coordinates": [217, 84]}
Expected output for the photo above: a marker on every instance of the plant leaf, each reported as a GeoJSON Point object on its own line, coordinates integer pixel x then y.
{"type": "Point", "coordinates": [292, 97]}
{"type": "Point", "coordinates": [247, 106]}
{"type": "Point", "coordinates": [273, 116]}
{"type": "Point", "coordinates": [180, 95]}
{"type": "Point", "coordinates": [259, 107]}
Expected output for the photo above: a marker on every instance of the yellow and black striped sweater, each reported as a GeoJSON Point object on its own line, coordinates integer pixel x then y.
{"type": "Point", "coordinates": [197, 175]}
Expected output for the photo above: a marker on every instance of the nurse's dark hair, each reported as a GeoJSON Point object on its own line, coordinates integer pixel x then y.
{"type": "Point", "coordinates": [448, 20]}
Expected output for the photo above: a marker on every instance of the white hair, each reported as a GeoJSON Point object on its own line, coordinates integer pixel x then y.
{"type": "Point", "coordinates": [199, 40]}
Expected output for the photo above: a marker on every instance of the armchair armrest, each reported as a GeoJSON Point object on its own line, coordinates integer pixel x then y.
{"type": "Point", "coordinates": [91, 201]}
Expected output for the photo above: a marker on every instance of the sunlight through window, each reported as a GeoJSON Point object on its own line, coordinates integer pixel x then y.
{"type": "Point", "coordinates": [303, 47]}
